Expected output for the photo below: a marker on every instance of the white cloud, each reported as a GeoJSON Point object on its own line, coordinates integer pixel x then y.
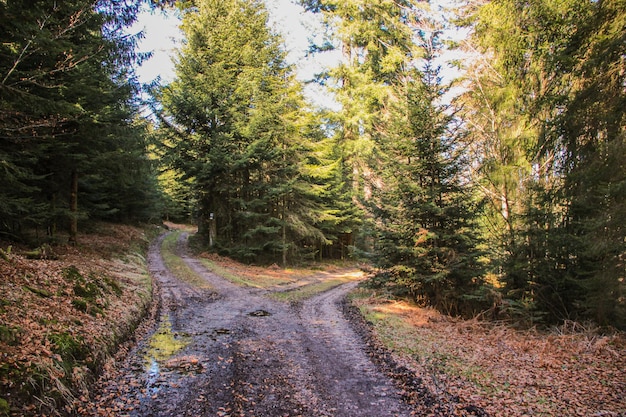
{"type": "Point", "coordinates": [161, 38]}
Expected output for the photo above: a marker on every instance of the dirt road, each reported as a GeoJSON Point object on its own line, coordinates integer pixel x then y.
{"type": "Point", "coordinates": [234, 351]}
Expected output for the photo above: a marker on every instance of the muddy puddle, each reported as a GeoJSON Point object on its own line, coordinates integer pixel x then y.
{"type": "Point", "coordinates": [161, 355]}
{"type": "Point", "coordinates": [237, 352]}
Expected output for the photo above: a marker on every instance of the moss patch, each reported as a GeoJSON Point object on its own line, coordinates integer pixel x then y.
{"type": "Point", "coordinates": [164, 343]}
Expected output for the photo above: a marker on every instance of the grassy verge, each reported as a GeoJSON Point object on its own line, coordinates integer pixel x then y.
{"type": "Point", "coordinates": [255, 280]}
{"type": "Point", "coordinates": [310, 290]}
{"type": "Point", "coordinates": [177, 265]}
{"type": "Point", "coordinates": [500, 369]}
{"type": "Point", "coordinates": [62, 318]}
{"type": "Point", "coordinates": [287, 284]}
{"type": "Point", "coordinates": [403, 334]}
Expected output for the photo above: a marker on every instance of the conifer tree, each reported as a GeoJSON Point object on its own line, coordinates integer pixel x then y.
{"type": "Point", "coordinates": [66, 92]}
{"type": "Point", "coordinates": [564, 62]}
{"type": "Point", "coordinates": [233, 117]}
{"type": "Point", "coordinates": [589, 136]}
{"type": "Point", "coordinates": [421, 200]}
{"type": "Point", "coordinates": [374, 41]}
{"type": "Point", "coordinates": [500, 139]}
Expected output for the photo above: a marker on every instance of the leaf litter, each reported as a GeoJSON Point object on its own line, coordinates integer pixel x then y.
{"type": "Point", "coordinates": [442, 365]}
{"type": "Point", "coordinates": [571, 370]}
{"type": "Point", "coordinates": [62, 314]}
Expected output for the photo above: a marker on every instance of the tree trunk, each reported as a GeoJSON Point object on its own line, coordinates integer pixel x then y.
{"type": "Point", "coordinates": [284, 237]}
{"type": "Point", "coordinates": [74, 208]}
{"type": "Point", "coordinates": [51, 229]}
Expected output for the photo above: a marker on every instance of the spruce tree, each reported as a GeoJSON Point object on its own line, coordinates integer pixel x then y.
{"type": "Point", "coordinates": [375, 42]}
{"type": "Point", "coordinates": [422, 202]}
{"type": "Point", "coordinates": [232, 121]}
{"type": "Point", "coordinates": [590, 137]}
{"type": "Point", "coordinates": [500, 138]}
{"type": "Point", "coordinates": [66, 92]}
{"type": "Point", "coordinates": [564, 61]}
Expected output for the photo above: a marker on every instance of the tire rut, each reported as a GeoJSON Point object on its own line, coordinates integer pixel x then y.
{"type": "Point", "coordinates": [239, 353]}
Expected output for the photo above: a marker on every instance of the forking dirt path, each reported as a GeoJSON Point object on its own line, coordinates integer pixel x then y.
{"type": "Point", "coordinates": [234, 351]}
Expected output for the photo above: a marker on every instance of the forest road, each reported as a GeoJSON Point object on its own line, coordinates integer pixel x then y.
{"type": "Point", "coordinates": [235, 351]}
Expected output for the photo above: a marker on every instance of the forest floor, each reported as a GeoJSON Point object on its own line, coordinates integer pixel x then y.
{"type": "Point", "coordinates": [64, 310]}
{"type": "Point", "coordinates": [225, 339]}
{"type": "Point", "coordinates": [226, 349]}
{"type": "Point", "coordinates": [571, 370]}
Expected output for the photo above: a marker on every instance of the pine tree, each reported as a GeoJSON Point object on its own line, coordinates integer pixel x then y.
{"type": "Point", "coordinates": [375, 42]}
{"type": "Point", "coordinates": [422, 204]}
{"type": "Point", "coordinates": [232, 118]}
{"type": "Point", "coordinates": [323, 169]}
{"type": "Point", "coordinates": [589, 135]}
{"type": "Point", "coordinates": [563, 60]}
{"type": "Point", "coordinates": [500, 137]}
{"type": "Point", "coordinates": [67, 100]}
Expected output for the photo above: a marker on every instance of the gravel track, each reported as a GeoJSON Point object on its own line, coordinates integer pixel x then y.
{"type": "Point", "coordinates": [233, 351]}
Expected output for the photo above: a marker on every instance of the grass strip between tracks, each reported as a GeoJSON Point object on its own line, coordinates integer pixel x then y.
{"type": "Point", "coordinates": [177, 265]}
{"type": "Point", "coordinates": [308, 291]}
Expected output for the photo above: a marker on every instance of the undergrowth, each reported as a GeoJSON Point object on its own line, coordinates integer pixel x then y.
{"type": "Point", "coordinates": [572, 369]}
{"type": "Point", "coordinates": [62, 316]}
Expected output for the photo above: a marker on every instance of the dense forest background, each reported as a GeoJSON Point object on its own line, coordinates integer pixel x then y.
{"type": "Point", "coordinates": [506, 198]}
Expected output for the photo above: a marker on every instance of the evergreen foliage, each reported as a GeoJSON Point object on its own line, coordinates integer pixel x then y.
{"type": "Point", "coordinates": [536, 175]}
{"type": "Point", "coordinates": [401, 159]}
{"type": "Point", "coordinates": [562, 63]}
{"type": "Point", "coordinates": [233, 119]}
{"type": "Point", "coordinates": [426, 220]}
{"type": "Point", "coordinates": [66, 116]}
{"type": "Point", "coordinates": [375, 42]}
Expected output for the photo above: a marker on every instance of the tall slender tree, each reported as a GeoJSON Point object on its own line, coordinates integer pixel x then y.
{"type": "Point", "coordinates": [66, 92]}
{"type": "Point", "coordinates": [421, 199]}
{"type": "Point", "coordinates": [589, 136]}
{"type": "Point", "coordinates": [563, 61]}
{"type": "Point", "coordinates": [374, 41]}
{"type": "Point", "coordinates": [501, 136]}
{"type": "Point", "coordinates": [233, 117]}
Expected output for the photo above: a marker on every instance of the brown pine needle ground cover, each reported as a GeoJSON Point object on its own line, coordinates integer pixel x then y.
{"type": "Point", "coordinates": [567, 371]}
{"type": "Point", "coordinates": [61, 317]}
